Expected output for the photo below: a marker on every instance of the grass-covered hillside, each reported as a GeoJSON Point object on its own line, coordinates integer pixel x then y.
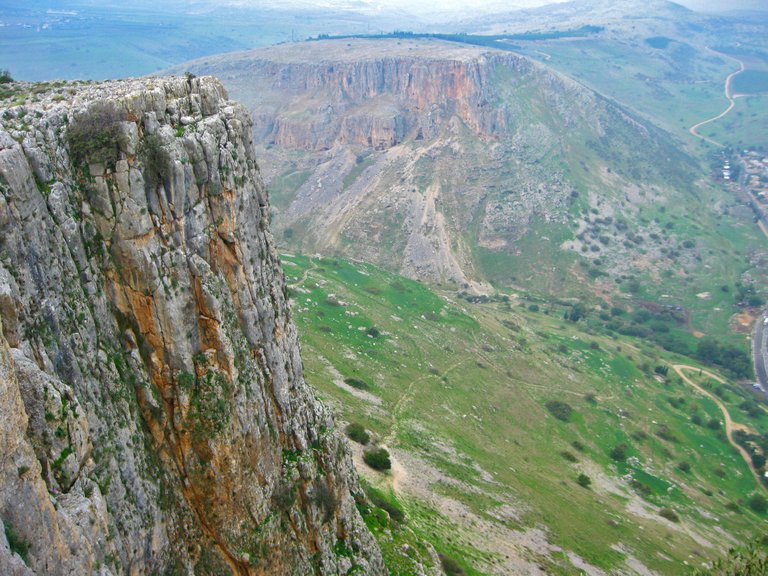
{"type": "Point", "coordinates": [519, 438]}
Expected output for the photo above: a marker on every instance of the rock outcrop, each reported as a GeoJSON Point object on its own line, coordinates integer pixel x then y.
{"type": "Point", "coordinates": [153, 412]}
{"type": "Point", "coordinates": [376, 94]}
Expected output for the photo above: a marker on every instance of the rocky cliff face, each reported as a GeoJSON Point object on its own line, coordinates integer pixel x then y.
{"type": "Point", "coordinates": [437, 159]}
{"type": "Point", "coordinates": [342, 95]}
{"type": "Point", "coordinates": [154, 416]}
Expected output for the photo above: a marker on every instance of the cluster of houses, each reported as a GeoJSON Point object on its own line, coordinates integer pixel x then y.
{"type": "Point", "coordinates": [756, 175]}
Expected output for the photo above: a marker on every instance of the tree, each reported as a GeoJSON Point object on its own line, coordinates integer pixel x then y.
{"type": "Point", "coordinates": [669, 514]}
{"type": "Point", "coordinates": [560, 410]}
{"type": "Point", "coordinates": [378, 459]}
{"type": "Point", "coordinates": [584, 481]}
{"type": "Point", "coordinates": [357, 432]}
{"type": "Point", "coordinates": [758, 503]}
{"type": "Point", "coordinates": [619, 452]}
{"type": "Point", "coordinates": [5, 77]}
{"type": "Point", "coordinates": [576, 313]}
{"type": "Point", "coordinates": [752, 561]}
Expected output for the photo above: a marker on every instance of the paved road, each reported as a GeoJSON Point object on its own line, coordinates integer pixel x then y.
{"type": "Point", "coordinates": [759, 351]}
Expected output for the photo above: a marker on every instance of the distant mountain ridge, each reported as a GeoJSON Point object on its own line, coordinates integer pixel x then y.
{"type": "Point", "coordinates": [435, 158]}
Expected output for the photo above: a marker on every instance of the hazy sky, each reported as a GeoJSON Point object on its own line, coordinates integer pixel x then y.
{"type": "Point", "coordinates": [421, 6]}
{"type": "Point", "coordinates": [427, 6]}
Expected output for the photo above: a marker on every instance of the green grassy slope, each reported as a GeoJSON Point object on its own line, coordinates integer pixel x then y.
{"type": "Point", "coordinates": [458, 392]}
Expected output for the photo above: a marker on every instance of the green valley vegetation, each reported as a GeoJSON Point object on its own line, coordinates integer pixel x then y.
{"type": "Point", "coordinates": [500, 415]}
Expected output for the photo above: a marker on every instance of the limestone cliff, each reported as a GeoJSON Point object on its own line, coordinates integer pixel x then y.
{"type": "Point", "coordinates": [319, 95]}
{"type": "Point", "coordinates": [153, 412]}
{"type": "Point", "coordinates": [444, 161]}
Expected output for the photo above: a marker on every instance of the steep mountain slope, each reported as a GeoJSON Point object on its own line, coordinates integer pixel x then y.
{"type": "Point", "coordinates": [502, 419]}
{"type": "Point", "coordinates": [154, 414]}
{"type": "Point", "coordinates": [456, 163]}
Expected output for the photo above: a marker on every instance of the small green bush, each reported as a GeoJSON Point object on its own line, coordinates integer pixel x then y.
{"type": "Point", "coordinates": [749, 561]}
{"type": "Point", "coordinates": [378, 459]}
{"type": "Point", "coordinates": [357, 432]}
{"type": "Point", "coordinates": [94, 135]}
{"type": "Point", "coordinates": [386, 502]}
{"type": "Point", "coordinates": [569, 456]}
{"type": "Point", "coordinates": [17, 544]}
{"type": "Point", "coordinates": [669, 514]}
{"type": "Point", "coordinates": [584, 481]}
{"type": "Point", "coordinates": [450, 566]}
{"type": "Point", "coordinates": [619, 452]}
{"type": "Point", "coordinates": [357, 383]}
{"type": "Point", "coordinates": [156, 160]}
{"type": "Point", "coordinates": [560, 410]}
{"type": "Point", "coordinates": [758, 503]}
{"type": "Point", "coordinates": [373, 332]}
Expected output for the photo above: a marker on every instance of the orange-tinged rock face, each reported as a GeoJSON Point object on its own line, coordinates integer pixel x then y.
{"type": "Point", "coordinates": [150, 305]}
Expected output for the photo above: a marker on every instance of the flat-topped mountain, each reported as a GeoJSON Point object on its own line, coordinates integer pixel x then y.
{"type": "Point", "coordinates": [448, 162]}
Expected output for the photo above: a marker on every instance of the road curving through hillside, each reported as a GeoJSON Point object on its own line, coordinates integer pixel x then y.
{"type": "Point", "coordinates": [730, 425]}
{"type": "Point", "coordinates": [731, 102]}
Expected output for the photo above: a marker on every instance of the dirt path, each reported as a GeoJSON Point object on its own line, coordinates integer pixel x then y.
{"type": "Point", "coordinates": [731, 102]}
{"type": "Point", "coordinates": [312, 266]}
{"type": "Point", "coordinates": [730, 425]}
{"type": "Point", "coordinates": [397, 408]}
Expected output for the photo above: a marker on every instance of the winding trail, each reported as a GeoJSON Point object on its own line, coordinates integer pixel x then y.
{"type": "Point", "coordinates": [730, 425]}
{"type": "Point", "coordinates": [312, 266]}
{"type": "Point", "coordinates": [731, 102]}
{"type": "Point", "coordinates": [406, 397]}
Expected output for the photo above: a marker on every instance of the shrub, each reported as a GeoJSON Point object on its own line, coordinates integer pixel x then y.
{"type": "Point", "coordinates": [450, 566]}
{"type": "Point", "coordinates": [643, 489]}
{"type": "Point", "coordinates": [357, 432]}
{"type": "Point", "coordinates": [665, 433]}
{"type": "Point", "coordinates": [560, 410]}
{"type": "Point", "coordinates": [17, 544]}
{"type": "Point", "coordinates": [568, 456]}
{"type": "Point", "coordinates": [378, 459]}
{"type": "Point", "coordinates": [584, 481]}
{"type": "Point", "coordinates": [669, 514]}
{"type": "Point", "coordinates": [758, 503]}
{"type": "Point", "coordinates": [750, 561]}
{"type": "Point", "coordinates": [684, 467]}
{"type": "Point", "coordinates": [388, 503]}
{"type": "Point", "coordinates": [697, 419]}
{"type": "Point", "coordinates": [156, 160]}
{"type": "Point", "coordinates": [5, 77]}
{"type": "Point", "coordinates": [326, 499]}
{"type": "Point", "coordinates": [357, 383]}
{"type": "Point", "coordinates": [619, 452]}
{"type": "Point", "coordinates": [93, 136]}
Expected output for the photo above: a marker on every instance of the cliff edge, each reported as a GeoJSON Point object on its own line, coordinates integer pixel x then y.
{"type": "Point", "coordinates": [153, 412]}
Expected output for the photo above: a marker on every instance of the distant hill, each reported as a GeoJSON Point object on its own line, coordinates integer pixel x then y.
{"type": "Point", "coordinates": [463, 164]}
